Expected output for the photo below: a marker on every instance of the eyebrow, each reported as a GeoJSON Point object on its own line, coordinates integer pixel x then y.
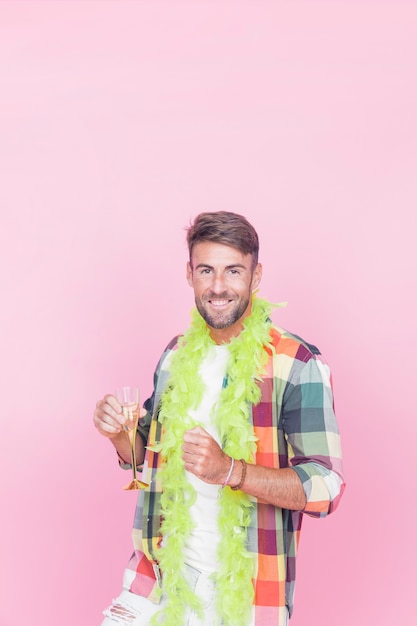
{"type": "Point", "coordinates": [228, 267]}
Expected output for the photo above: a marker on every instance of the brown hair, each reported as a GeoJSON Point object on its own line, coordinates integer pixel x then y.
{"type": "Point", "coordinates": [230, 229]}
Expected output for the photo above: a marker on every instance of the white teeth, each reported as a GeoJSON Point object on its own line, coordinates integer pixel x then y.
{"type": "Point", "coordinates": [219, 302]}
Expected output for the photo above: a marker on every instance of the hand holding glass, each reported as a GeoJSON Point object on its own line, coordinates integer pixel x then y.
{"type": "Point", "coordinates": [128, 398]}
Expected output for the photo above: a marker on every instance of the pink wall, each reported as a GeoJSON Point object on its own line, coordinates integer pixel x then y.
{"type": "Point", "coordinates": [119, 122]}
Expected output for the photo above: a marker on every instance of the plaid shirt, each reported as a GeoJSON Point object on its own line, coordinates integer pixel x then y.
{"type": "Point", "coordinates": [295, 426]}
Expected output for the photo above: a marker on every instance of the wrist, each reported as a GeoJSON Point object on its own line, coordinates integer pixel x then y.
{"type": "Point", "coordinates": [241, 475]}
{"type": "Point", "coordinates": [229, 473]}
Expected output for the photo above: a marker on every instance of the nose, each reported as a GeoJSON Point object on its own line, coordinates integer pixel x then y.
{"type": "Point", "coordinates": [218, 284]}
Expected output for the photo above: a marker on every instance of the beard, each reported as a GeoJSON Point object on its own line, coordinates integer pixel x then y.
{"type": "Point", "coordinates": [221, 319]}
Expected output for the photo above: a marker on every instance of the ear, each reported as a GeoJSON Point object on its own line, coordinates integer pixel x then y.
{"type": "Point", "coordinates": [256, 277]}
{"type": "Point", "coordinates": [189, 274]}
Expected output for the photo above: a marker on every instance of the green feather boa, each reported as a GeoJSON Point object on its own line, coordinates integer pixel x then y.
{"type": "Point", "coordinates": [247, 359]}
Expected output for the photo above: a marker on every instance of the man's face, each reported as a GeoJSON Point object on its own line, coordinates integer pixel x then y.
{"type": "Point", "coordinates": [223, 281]}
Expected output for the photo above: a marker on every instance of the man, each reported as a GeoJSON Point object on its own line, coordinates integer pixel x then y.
{"type": "Point", "coordinates": [242, 441]}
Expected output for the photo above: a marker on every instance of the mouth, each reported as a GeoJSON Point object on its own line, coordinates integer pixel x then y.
{"type": "Point", "coordinates": [219, 303]}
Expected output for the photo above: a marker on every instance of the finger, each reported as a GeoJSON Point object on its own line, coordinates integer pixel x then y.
{"type": "Point", "coordinates": [109, 429]}
{"type": "Point", "coordinates": [106, 424]}
{"type": "Point", "coordinates": [193, 451]}
{"type": "Point", "coordinates": [109, 407]}
{"type": "Point", "coordinates": [190, 459]}
{"type": "Point", "coordinates": [197, 430]}
{"type": "Point", "coordinates": [190, 449]}
{"type": "Point", "coordinates": [104, 421]}
{"type": "Point", "coordinates": [197, 435]}
{"type": "Point", "coordinates": [113, 402]}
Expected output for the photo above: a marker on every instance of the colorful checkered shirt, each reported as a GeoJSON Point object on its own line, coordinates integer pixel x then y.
{"type": "Point", "coordinates": [295, 426]}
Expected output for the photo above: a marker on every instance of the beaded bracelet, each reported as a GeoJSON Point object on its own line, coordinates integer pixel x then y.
{"type": "Point", "coordinates": [242, 478]}
{"type": "Point", "coordinates": [226, 482]}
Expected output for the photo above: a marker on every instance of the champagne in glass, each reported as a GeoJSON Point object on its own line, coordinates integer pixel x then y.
{"type": "Point", "coordinates": [128, 398]}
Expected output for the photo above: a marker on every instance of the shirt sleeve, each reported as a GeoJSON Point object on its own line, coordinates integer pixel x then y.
{"type": "Point", "coordinates": [313, 437]}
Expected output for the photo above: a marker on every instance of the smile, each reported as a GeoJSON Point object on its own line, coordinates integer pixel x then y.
{"type": "Point", "coordinates": [219, 303]}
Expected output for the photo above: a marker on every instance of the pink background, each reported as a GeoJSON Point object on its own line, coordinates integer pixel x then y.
{"type": "Point", "coordinates": [120, 121]}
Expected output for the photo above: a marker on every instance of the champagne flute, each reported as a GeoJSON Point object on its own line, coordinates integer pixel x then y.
{"type": "Point", "coordinates": [128, 398]}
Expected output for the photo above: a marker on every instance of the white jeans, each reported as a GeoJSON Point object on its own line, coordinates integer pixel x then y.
{"type": "Point", "coordinates": [129, 609]}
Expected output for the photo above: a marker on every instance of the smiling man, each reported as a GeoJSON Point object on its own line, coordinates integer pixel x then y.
{"type": "Point", "coordinates": [241, 442]}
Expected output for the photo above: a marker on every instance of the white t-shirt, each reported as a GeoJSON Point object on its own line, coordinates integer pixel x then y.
{"type": "Point", "coordinates": [201, 546]}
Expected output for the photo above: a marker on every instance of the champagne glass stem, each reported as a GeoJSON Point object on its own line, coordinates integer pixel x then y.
{"type": "Point", "coordinates": [132, 440]}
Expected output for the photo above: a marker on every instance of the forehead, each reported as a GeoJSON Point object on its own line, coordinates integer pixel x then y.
{"type": "Point", "coordinates": [218, 254]}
